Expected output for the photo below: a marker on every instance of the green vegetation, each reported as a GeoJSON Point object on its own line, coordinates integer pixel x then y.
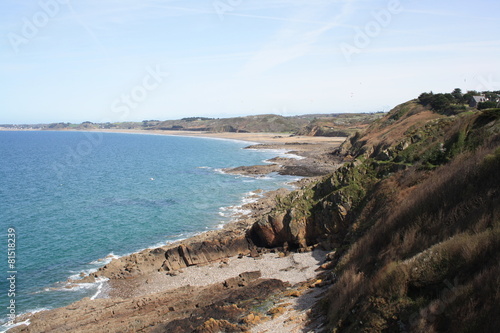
{"type": "Point", "coordinates": [456, 102]}
{"type": "Point", "coordinates": [414, 219]}
{"type": "Point", "coordinates": [310, 125]}
{"type": "Point", "coordinates": [487, 105]}
{"type": "Point", "coordinates": [418, 234]}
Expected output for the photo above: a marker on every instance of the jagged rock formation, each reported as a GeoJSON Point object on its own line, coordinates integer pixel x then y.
{"type": "Point", "coordinates": [211, 247]}
{"type": "Point", "coordinates": [204, 252]}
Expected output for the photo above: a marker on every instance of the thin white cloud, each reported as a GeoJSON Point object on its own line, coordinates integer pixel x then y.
{"type": "Point", "coordinates": [468, 16]}
{"type": "Point", "coordinates": [448, 47]}
{"type": "Point", "coordinates": [292, 42]}
{"type": "Point", "coordinates": [286, 19]}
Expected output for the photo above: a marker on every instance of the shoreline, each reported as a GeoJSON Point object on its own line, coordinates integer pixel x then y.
{"type": "Point", "coordinates": [143, 279]}
{"type": "Point", "coordinates": [255, 138]}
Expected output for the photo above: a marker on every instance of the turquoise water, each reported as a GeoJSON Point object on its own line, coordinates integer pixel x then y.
{"type": "Point", "coordinates": [75, 198]}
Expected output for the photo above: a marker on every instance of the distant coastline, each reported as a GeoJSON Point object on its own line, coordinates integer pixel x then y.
{"type": "Point", "coordinates": [258, 137]}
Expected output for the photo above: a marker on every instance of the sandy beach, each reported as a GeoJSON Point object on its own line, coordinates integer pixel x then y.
{"type": "Point", "coordinates": [265, 138]}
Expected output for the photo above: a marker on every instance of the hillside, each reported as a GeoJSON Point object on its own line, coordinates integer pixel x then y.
{"type": "Point", "coordinates": [332, 125]}
{"type": "Point", "coordinates": [310, 125]}
{"type": "Point", "coordinates": [413, 223]}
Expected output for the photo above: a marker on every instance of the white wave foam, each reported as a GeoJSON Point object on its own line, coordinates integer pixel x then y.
{"type": "Point", "coordinates": [80, 275]}
{"type": "Point", "coordinates": [106, 260]}
{"type": "Point", "coordinates": [5, 327]}
{"type": "Point", "coordinates": [294, 156]}
{"type": "Point", "coordinates": [100, 285]}
{"type": "Point", "coordinates": [35, 311]}
{"type": "Point", "coordinates": [279, 152]}
{"type": "Point", "coordinates": [221, 171]}
{"type": "Point", "coordinates": [237, 211]}
{"type": "Point", "coordinates": [73, 287]}
{"type": "Point", "coordinates": [8, 327]}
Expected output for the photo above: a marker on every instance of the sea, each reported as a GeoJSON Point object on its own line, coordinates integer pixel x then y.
{"type": "Point", "coordinates": [70, 202]}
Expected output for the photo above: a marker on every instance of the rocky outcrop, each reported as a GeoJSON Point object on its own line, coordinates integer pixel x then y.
{"type": "Point", "coordinates": [204, 252]}
{"type": "Point", "coordinates": [315, 130]}
{"type": "Point", "coordinates": [315, 160]}
{"type": "Point", "coordinates": [170, 258]}
{"type": "Point", "coordinates": [254, 170]}
{"type": "Point", "coordinates": [316, 214]}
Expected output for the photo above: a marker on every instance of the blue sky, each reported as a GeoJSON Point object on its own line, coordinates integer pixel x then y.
{"type": "Point", "coordinates": [120, 60]}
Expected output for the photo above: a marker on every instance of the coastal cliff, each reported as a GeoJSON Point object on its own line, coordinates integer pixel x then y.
{"type": "Point", "coordinates": [410, 223]}
{"type": "Point", "coordinates": [412, 220]}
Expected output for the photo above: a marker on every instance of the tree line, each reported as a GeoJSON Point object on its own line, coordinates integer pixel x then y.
{"type": "Point", "coordinates": [456, 101]}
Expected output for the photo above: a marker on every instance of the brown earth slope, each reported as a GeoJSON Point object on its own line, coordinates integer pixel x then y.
{"type": "Point", "coordinates": [413, 222]}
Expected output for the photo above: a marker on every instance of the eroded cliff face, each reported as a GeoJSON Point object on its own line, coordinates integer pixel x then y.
{"type": "Point", "coordinates": [408, 216]}
{"type": "Point", "coordinates": [410, 136]}
{"type": "Point", "coordinates": [317, 214]}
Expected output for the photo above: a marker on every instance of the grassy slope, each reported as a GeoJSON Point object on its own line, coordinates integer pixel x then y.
{"type": "Point", "coordinates": [312, 125]}
{"type": "Point", "coordinates": [414, 219]}
{"type": "Point", "coordinates": [422, 246]}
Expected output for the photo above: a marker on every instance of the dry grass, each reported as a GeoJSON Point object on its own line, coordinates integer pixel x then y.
{"type": "Point", "coordinates": [444, 227]}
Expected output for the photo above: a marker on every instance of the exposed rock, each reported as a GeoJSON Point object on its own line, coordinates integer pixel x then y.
{"type": "Point", "coordinates": [254, 170]}
{"type": "Point", "coordinates": [186, 309]}
{"type": "Point", "coordinates": [215, 326]}
{"type": "Point", "coordinates": [242, 280]}
{"type": "Point", "coordinates": [204, 252]}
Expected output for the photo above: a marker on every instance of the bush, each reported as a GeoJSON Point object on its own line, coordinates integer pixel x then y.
{"type": "Point", "coordinates": [486, 105]}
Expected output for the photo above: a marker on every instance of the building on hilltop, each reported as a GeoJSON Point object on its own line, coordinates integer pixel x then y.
{"type": "Point", "coordinates": [475, 100]}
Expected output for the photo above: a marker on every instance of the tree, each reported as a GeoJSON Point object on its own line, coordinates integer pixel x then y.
{"type": "Point", "coordinates": [425, 98]}
{"type": "Point", "coordinates": [440, 103]}
{"type": "Point", "coordinates": [486, 105]}
{"type": "Point", "coordinates": [457, 95]}
{"type": "Point", "coordinates": [492, 96]}
{"type": "Point", "coordinates": [450, 98]}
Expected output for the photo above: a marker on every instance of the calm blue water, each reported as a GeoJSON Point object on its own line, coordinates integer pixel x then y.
{"type": "Point", "coordinates": [74, 198]}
